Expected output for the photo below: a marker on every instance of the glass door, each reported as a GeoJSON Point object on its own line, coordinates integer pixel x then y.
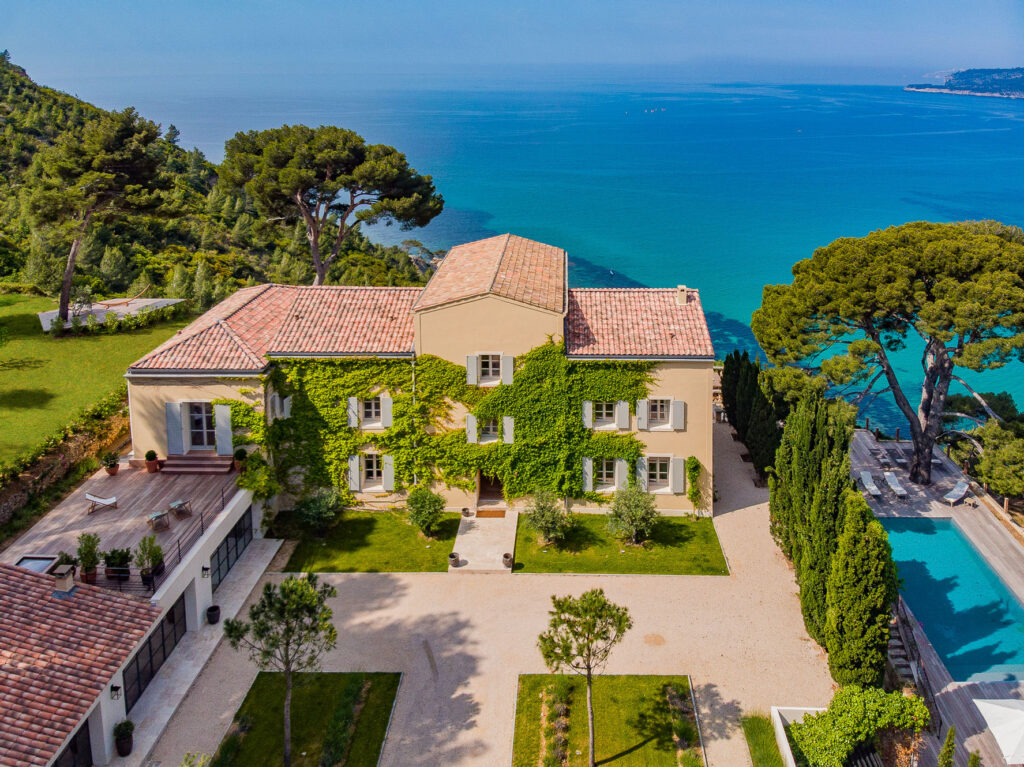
{"type": "Point", "coordinates": [202, 435]}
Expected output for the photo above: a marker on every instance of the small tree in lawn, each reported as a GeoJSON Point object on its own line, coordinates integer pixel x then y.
{"type": "Point", "coordinates": [633, 514]}
{"type": "Point", "coordinates": [426, 509]}
{"type": "Point", "coordinates": [548, 516]}
{"type": "Point", "coordinates": [289, 628]}
{"type": "Point", "coordinates": [580, 637]}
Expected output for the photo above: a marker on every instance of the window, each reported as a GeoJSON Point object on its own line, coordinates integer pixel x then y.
{"type": "Point", "coordinates": [604, 413]}
{"type": "Point", "coordinates": [371, 410]}
{"type": "Point", "coordinates": [373, 469]}
{"type": "Point", "coordinates": [151, 656]}
{"type": "Point", "coordinates": [604, 473]}
{"type": "Point", "coordinates": [230, 549]}
{"type": "Point", "coordinates": [657, 473]}
{"type": "Point", "coordinates": [490, 367]}
{"type": "Point", "coordinates": [658, 412]}
{"type": "Point", "coordinates": [489, 430]}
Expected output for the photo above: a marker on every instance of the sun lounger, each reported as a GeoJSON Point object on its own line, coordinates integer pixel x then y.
{"type": "Point", "coordinates": [869, 484]}
{"type": "Point", "coordinates": [958, 492]}
{"type": "Point", "coordinates": [894, 484]}
{"type": "Point", "coordinates": [95, 502]}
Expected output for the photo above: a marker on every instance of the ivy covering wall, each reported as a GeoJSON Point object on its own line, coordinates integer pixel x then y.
{"type": "Point", "coordinates": [310, 449]}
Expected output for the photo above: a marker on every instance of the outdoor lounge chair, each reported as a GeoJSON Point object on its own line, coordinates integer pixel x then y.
{"type": "Point", "coordinates": [95, 502]}
{"type": "Point", "coordinates": [869, 484]}
{"type": "Point", "coordinates": [894, 484]}
{"type": "Point", "coordinates": [958, 493]}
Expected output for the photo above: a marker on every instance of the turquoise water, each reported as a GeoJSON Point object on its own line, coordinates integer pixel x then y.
{"type": "Point", "coordinates": [971, 618]}
{"type": "Point", "coordinates": [717, 187]}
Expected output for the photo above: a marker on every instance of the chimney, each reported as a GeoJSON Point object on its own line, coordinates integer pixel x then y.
{"type": "Point", "coordinates": [65, 579]}
{"type": "Point", "coordinates": [682, 295]}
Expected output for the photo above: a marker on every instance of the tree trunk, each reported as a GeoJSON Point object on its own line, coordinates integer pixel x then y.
{"type": "Point", "coordinates": [590, 715]}
{"type": "Point", "coordinates": [287, 719]}
{"type": "Point", "coordinates": [69, 273]}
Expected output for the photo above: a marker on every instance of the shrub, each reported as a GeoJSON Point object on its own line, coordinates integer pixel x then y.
{"type": "Point", "coordinates": [426, 509]}
{"type": "Point", "coordinates": [549, 517]}
{"type": "Point", "coordinates": [632, 515]}
{"type": "Point", "coordinates": [320, 510]}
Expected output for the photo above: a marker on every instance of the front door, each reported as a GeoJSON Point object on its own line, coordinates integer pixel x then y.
{"type": "Point", "coordinates": [201, 433]}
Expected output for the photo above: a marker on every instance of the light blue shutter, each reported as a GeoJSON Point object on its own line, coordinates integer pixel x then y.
{"type": "Point", "coordinates": [621, 414]}
{"type": "Point", "coordinates": [507, 367]}
{"type": "Point", "coordinates": [471, 435]}
{"type": "Point", "coordinates": [353, 412]}
{"type": "Point", "coordinates": [677, 475]}
{"type": "Point", "coordinates": [677, 415]}
{"type": "Point", "coordinates": [506, 429]}
{"type": "Point", "coordinates": [175, 440]}
{"type": "Point", "coordinates": [642, 411]}
{"type": "Point", "coordinates": [588, 475]}
{"type": "Point", "coordinates": [354, 474]}
{"type": "Point", "coordinates": [588, 414]}
{"type": "Point", "coordinates": [385, 411]}
{"type": "Point", "coordinates": [641, 473]}
{"type": "Point", "coordinates": [222, 429]}
{"type": "Point", "coordinates": [388, 472]}
{"type": "Point", "coordinates": [621, 473]}
{"type": "Point", "coordinates": [471, 369]}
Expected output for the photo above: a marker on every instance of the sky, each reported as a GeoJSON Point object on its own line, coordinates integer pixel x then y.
{"type": "Point", "coordinates": [260, 44]}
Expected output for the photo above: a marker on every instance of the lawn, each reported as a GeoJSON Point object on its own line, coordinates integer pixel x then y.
{"type": "Point", "coordinates": [678, 546]}
{"type": "Point", "coordinates": [45, 382]}
{"type": "Point", "coordinates": [632, 722]}
{"type": "Point", "coordinates": [764, 751]}
{"type": "Point", "coordinates": [376, 542]}
{"type": "Point", "coordinates": [257, 738]}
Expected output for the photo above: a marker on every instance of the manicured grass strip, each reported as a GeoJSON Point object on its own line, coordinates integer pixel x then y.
{"type": "Point", "coordinates": [376, 542]}
{"type": "Point", "coordinates": [764, 751]}
{"type": "Point", "coordinates": [45, 382]}
{"type": "Point", "coordinates": [678, 546]}
{"type": "Point", "coordinates": [315, 697]}
{"type": "Point", "coordinates": [632, 721]}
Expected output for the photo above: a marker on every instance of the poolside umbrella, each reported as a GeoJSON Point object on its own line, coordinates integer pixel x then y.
{"type": "Point", "coordinates": [1005, 718]}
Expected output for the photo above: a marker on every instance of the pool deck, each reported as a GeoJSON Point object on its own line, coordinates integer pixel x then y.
{"type": "Point", "coordinates": [1003, 553]}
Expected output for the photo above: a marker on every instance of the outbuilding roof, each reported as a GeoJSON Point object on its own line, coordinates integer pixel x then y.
{"type": "Point", "coordinates": [509, 266]}
{"type": "Point", "coordinates": [58, 651]}
{"type": "Point", "coordinates": [637, 322]}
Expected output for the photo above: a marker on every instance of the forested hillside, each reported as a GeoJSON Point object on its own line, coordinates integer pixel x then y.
{"type": "Point", "coordinates": [214, 244]}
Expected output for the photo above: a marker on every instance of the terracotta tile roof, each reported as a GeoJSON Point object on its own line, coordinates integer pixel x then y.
{"type": "Point", "coordinates": [506, 265]}
{"type": "Point", "coordinates": [636, 322]}
{"type": "Point", "coordinates": [239, 333]}
{"type": "Point", "coordinates": [57, 654]}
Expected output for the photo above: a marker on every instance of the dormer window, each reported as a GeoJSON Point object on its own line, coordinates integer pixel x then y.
{"type": "Point", "coordinates": [490, 368]}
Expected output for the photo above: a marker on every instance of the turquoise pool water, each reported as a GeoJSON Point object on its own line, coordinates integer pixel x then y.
{"type": "Point", "coordinates": [971, 618]}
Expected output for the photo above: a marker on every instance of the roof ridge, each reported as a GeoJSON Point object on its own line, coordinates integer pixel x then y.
{"type": "Point", "coordinates": [501, 261]}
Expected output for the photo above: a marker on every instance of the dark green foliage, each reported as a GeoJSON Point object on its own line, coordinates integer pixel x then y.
{"type": "Point", "coordinates": [633, 514]}
{"type": "Point", "coordinates": [426, 509]}
{"type": "Point", "coordinates": [948, 748]}
{"type": "Point", "coordinates": [549, 516]}
{"type": "Point", "coordinates": [862, 588]}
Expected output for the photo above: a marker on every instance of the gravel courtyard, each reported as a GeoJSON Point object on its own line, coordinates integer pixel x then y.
{"type": "Point", "coordinates": [462, 640]}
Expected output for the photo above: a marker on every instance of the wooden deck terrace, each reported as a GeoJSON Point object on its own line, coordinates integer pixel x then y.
{"type": "Point", "coordinates": [1003, 553]}
{"type": "Point", "coordinates": [138, 495]}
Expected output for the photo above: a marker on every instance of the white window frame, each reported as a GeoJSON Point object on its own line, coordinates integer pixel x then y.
{"type": "Point", "coordinates": [658, 486]}
{"type": "Point", "coordinates": [374, 481]}
{"type": "Point", "coordinates": [488, 430]}
{"type": "Point", "coordinates": [604, 475]}
{"type": "Point", "coordinates": [664, 423]}
{"type": "Point", "coordinates": [493, 365]}
{"type": "Point", "coordinates": [607, 422]}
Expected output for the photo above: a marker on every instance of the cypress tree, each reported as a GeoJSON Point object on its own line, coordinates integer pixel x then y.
{"type": "Point", "coordinates": [861, 590]}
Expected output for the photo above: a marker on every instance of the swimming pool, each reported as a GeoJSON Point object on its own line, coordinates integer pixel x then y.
{"type": "Point", "coordinates": [971, 618]}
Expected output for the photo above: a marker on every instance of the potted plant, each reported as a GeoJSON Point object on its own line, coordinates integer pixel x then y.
{"type": "Point", "coordinates": [152, 465]}
{"type": "Point", "coordinates": [111, 463]}
{"type": "Point", "coordinates": [149, 558]}
{"type": "Point", "coordinates": [123, 736]}
{"type": "Point", "coordinates": [89, 555]}
{"type": "Point", "coordinates": [240, 456]}
{"type": "Point", "coordinates": [117, 562]}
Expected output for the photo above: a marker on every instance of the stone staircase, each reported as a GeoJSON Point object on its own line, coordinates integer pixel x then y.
{"type": "Point", "coordinates": [198, 464]}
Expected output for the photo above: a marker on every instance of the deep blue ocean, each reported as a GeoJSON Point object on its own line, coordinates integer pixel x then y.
{"type": "Point", "coordinates": [721, 188]}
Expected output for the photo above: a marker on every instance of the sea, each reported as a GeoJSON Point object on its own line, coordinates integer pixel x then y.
{"type": "Point", "coordinates": [718, 187]}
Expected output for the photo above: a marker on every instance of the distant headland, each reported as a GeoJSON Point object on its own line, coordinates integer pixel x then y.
{"type": "Point", "coordinates": [1000, 83]}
